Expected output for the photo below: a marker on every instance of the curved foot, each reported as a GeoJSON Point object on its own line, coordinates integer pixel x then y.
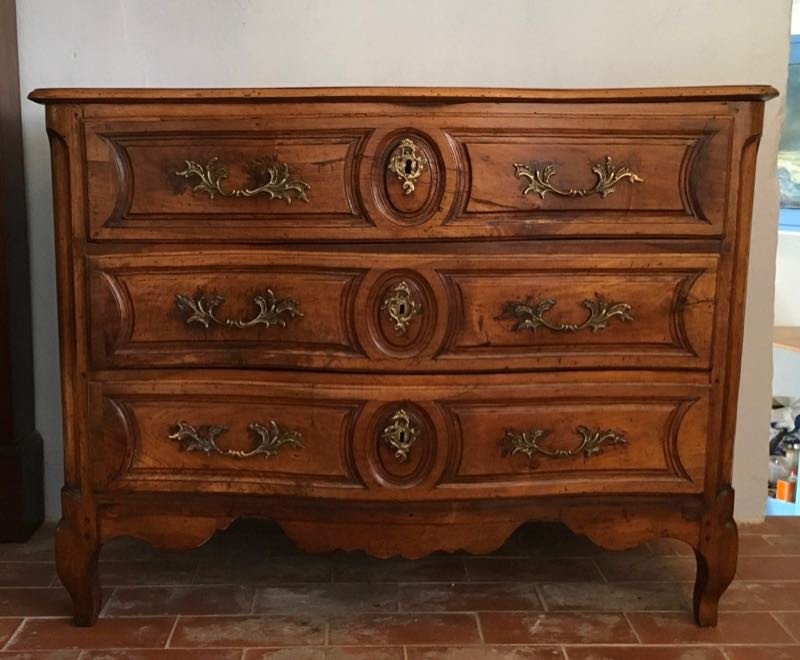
{"type": "Point", "coordinates": [716, 555]}
{"type": "Point", "coordinates": [76, 564]}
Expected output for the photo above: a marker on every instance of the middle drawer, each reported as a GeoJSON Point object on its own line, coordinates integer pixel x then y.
{"type": "Point", "coordinates": [428, 310]}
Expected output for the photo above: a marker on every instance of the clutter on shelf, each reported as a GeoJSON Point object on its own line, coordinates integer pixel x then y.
{"type": "Point", "coordinates": [784, 448]}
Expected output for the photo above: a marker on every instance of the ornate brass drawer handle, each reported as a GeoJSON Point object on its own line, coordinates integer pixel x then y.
{"type": "Point", "coordinates": [530, 314]}
{"type": "Point", "coordinates": [274, 177]}
{"type": "Point", "coordinates": [607, 175]}
{"type": "Point", "coordinates": [270, 438]}
{"type": "Point", "coordinates": [406, 164]}
{"type": "Point", "coordinates": [528, 443]}
{"type": "Point", "coordinates": [401, 306]}
{"type": "Point", "coordinates": [400, 435]}
{"type": "Point", "coordinates": [271, 310]}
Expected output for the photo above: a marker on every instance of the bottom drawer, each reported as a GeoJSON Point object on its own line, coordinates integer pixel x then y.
{"type": "Point", "coordinates": [398, 437]}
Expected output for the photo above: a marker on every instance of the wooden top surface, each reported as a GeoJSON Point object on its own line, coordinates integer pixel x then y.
{"type": "Point", "coordinates": [408, 94]}
{"type": "Point", "coordinates": [787, 337]}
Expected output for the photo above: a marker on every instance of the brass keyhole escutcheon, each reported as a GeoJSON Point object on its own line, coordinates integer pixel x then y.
{"type": "Point", "coordinates": [400, 435]}
{"type": "Point", "coordinates": [401, 306]}
{"type": "Point", "coordinates": [407, 164]}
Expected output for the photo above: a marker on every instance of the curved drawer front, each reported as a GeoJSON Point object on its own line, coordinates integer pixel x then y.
{"type": "Point", "coordinates": [576, 178]}
{"type": "Point", "coordinates": [218, 437]}
{"type": "Point", "coordinates": [407, 437]}
{"type": "Point", "coordinates": [199, 181]}
{"type": "Point", "coordinates": [305, 172]}
{"type": "Point", "coordinates": [424, 310]}
{"type": "Point", "coordinates": [210, 311]}
{"type": "Point", "coordinates": [583, 435]}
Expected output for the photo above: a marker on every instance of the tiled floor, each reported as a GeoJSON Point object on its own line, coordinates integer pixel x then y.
{"type": "Point", "coordinates": [547, 594]}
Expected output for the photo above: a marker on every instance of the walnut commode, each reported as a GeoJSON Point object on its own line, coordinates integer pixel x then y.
{"type": "Point", "coordinates": [401, 320]}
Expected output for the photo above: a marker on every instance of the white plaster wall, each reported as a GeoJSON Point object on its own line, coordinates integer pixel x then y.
{"type": "Point", "coordinates": [518, 43]}
{"type": "Point", "coordinates": [786, 376]}
{"type": "Point", "coordinates": [787, 280]}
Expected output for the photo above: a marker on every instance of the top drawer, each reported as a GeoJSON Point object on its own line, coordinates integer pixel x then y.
{"type": "Point", "coordinates": [380, 171]}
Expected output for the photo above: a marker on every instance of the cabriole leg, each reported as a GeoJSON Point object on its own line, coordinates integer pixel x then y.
{"type": "Point", "coordinates": [716, 555]}
{"type": "Point", "coordinates": [77, 550]}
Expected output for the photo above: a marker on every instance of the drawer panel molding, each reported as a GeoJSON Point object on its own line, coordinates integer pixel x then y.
{"type": "Point", "coordinates": [144, 442]}
{"type": "Point", "coordinates": [304, 313]}
{"type": "Point", "coordinates": [660, 311]}
{"type": "Point", "coordinates": [179, 183]}
{"type": "Point", "coordinates": [646, 181]}
{"type": "Point", "coordinates": [619, 438]}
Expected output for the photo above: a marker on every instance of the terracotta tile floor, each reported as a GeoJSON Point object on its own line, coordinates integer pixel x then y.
{"type": "Point", "coordinates": [546, 594]}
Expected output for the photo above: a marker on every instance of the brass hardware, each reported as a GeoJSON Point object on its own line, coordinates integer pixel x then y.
{"type": "Point", "coordinates": [530, 314]}
{"type": "Point", "coordinates": [527, 442]}
{"type": "Point", "coordinates": [271, 310]}
{"type": "Point", "coordinates": [407, 164]}
{"type": "Point", "coordinates": [271, 438]}
{"type": "Point", "coordinates": [401, 435]}
{"type": "Point", "coordinates": [401, 306]}
{"type": "Point", "coordinates": [607, 175]}
{"type": "Point", "coordinates": [276, 181]}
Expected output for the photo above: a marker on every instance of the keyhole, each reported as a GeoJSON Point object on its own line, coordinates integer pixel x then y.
{"type": "Point", "coordinates": [402, 309]}
{"type": "Point", "coordinates": [409, 166]}
{"type": "Point", "coordinates": [402, 437]}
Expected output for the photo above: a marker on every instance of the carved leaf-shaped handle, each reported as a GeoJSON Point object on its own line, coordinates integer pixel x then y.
{"type": "Point", "coordinates": [271, 310]}
{"type": "Point", "coordinates": [529, 443]}
{"type": "Point", "coordinates": [272, 179]}
{"type": "Point", "coordinates": [270, 439]}
{"type": "Point", "coordinates": [530, 314]}
{"type": "Point", "coordinates": [608, 176]}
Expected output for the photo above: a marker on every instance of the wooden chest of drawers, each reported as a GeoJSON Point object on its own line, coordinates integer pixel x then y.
{"type": "Point", "coordinates": [401, 320]}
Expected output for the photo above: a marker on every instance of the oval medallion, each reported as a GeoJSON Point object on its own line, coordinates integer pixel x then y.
{"type": "Point", "coordinates": [402, 313]}
{"type": "Point", "coordinates": [408, 177]}
{"type": "Point", "coordinates": [403, 444]}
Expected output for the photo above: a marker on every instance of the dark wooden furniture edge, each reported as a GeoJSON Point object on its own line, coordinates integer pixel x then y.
{"type": "Point", "coordinates": [21, 457]}
{"type": "Point", "coordinates": [403, 94]}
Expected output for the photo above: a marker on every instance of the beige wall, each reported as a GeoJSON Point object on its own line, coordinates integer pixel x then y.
{"type": "Point", "coordinates": [520, 43]}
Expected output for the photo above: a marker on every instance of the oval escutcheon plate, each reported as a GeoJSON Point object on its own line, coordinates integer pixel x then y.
{"type": "Point", "coordinates": [408, 177]}
{"type": "Point", "coordinates": [401, 306]}
{"type": "Point", "coordinates": [402, 445]}
{"type": "Point", "coordinates": [402, 314]}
